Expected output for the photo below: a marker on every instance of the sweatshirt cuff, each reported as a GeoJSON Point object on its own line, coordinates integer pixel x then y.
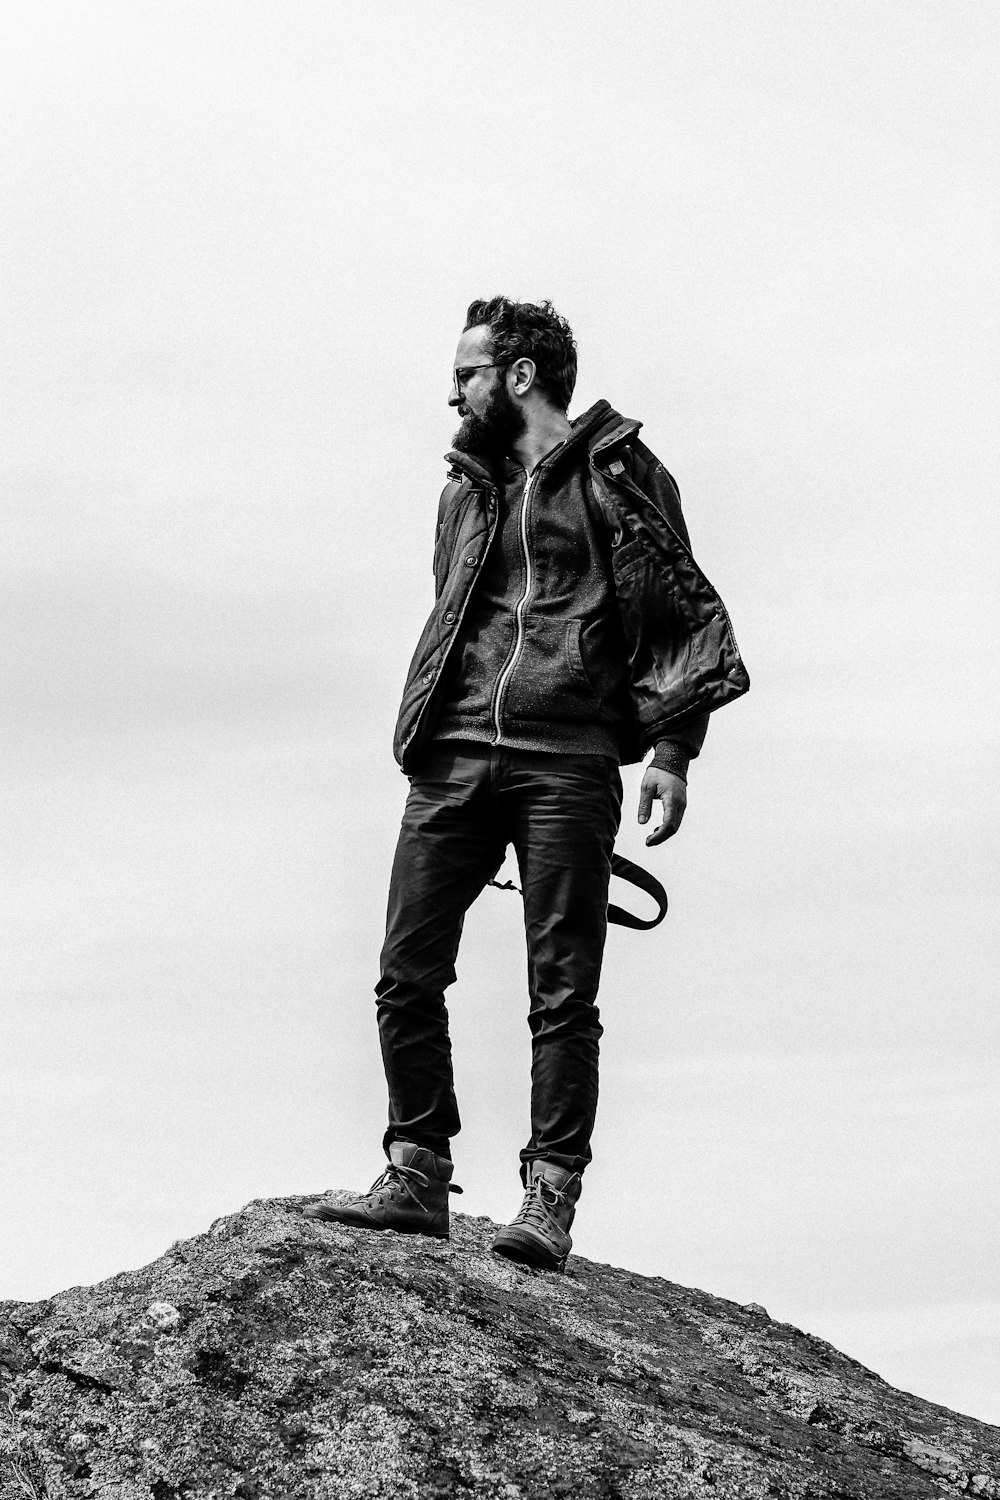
{"type": "Point", "coordinates": [670, 756]}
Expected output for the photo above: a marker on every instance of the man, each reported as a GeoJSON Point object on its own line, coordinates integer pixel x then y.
{"type": "Point", "coordinates": [572, 631]}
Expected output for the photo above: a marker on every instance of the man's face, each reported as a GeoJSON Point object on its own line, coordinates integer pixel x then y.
{"type": "Point", "coordinates": [491, 419]}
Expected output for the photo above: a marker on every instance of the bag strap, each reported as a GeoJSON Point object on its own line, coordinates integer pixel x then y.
{"type": "Point", "coordinates": [635, 875]}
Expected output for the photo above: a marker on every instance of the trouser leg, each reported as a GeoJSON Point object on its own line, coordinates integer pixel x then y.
{"type": "Point", "coordinates": [566, 819]}
{"type": "Point", "coordinates": [449, 846]}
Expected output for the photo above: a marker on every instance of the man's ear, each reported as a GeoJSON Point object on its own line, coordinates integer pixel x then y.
{"type": "Point", "coordinates": [522, 373]}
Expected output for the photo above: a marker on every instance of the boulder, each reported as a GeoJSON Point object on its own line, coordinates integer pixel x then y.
{"type": "Point", "coordinates": [275, 1356]}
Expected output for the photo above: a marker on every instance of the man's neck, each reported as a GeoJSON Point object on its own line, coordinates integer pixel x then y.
{"type": "Point", "coordinates": [542, 433]}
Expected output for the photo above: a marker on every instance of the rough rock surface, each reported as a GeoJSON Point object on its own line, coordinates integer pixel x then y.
{"type": "Point", "coordinates": [277, 1357]}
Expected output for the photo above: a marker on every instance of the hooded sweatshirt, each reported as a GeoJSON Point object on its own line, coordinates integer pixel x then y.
{"type": "Point", "coordinates": [541, 662]}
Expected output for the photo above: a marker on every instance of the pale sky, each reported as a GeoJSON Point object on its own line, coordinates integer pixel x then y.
{"type": "Point", "coordinates": [239, 240]}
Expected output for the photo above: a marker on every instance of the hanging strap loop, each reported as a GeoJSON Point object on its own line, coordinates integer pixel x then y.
{"type": "Point", "coordinates": [635, 875]}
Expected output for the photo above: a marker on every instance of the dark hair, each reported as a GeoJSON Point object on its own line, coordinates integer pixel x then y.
{"type": "Point", "coordinates": [530, 330]}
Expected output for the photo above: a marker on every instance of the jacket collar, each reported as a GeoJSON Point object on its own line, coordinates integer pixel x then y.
{"type": "Point", "coordinates": [600, 427]}
{"type": "Point", "coordinates": [469, 466]}
{"type": "Point", "coordinates": [609, 429]}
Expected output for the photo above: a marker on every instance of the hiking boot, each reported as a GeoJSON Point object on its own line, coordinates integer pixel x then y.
{"type": "Point", "coordinates": [539, 1236]}
{"type": "Point", "coordinates": [411, 1196]}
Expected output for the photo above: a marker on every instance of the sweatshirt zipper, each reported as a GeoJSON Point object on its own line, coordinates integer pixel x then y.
{"type": "Point", "coordinates": [519, 610]}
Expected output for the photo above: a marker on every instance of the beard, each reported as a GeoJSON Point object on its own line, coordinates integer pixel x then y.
{"type": "Point", "coordinates": [493, 434]}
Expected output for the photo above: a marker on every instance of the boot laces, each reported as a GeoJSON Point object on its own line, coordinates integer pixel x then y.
{"type": "Point", "coordinates": [540, 1201]}
{"type": "Point", "coordinates": [397, 1177]}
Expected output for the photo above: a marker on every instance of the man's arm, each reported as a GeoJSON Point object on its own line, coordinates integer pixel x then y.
{"type": "Point", "coordinates": [665, 778]}
{"type": "Point", "coordinates": [671, 792]}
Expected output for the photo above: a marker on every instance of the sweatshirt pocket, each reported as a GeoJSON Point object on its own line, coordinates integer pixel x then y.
{"type": "Point", "coordinates": [557, 675]}
{"type": "Point", "coordinates": [574, 656]}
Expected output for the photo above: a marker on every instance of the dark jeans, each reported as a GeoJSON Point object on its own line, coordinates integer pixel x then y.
{"type": "Point", "coordinates": [466, 803]}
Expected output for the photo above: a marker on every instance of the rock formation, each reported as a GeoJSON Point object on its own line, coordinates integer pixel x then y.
{"type": "Point", "coordinates": [277, 1357]}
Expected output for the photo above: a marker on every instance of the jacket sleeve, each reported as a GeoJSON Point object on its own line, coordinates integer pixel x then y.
{"type": "Point", "coordinates": [686, 739]}
{"type": "Point", "coordinates": [676, 753]}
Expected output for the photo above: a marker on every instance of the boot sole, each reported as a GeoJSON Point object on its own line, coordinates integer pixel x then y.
{"type": "Point", "coordinates": [529, 1252]}
{"type": "Point", "coordinates": [320, 1212]}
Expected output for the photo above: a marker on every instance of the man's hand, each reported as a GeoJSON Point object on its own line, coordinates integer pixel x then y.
{"type": "Point", "coordinates": [671, 792]}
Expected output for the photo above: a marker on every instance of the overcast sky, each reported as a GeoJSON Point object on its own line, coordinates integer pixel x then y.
{"type": "Point", "coordinates": [238, 243]}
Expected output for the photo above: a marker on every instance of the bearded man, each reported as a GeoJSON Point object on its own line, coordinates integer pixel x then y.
{"type": "Point", "coordinates": [572, 632]}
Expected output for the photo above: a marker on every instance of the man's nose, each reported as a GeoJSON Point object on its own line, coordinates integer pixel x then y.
{"type": "Point", "coordinates": [454, 399]}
